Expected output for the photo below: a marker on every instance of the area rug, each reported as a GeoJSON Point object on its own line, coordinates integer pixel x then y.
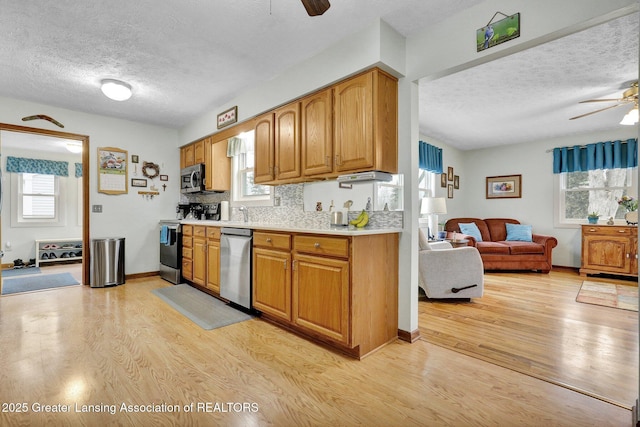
{"type": "Point", "coordinates": [609, 295]}
{"type": "Point", "coordinates": [12, 272]}
{"type": "Point", "coordinates": [202, 309]}
{"type": "Point", "coordinates": [37, 282]}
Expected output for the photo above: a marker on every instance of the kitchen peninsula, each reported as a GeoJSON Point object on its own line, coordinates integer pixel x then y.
{"type": "Point", "coordinates": [336, 286]}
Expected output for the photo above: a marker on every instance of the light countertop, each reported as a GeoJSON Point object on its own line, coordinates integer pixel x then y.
{"type": "Point", "coordinates": [337, 231]}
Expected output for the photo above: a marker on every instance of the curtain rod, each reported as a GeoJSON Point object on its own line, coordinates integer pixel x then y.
{"type": "Point", "coordinates": [550, 150]}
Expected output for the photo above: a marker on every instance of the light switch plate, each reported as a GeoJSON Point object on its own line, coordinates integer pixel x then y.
{"type": "Point", "coordinates": [96, 208]}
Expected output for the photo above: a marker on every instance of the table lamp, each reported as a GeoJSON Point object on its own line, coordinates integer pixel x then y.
{"type": "Point", "coordinates": [432, 206]}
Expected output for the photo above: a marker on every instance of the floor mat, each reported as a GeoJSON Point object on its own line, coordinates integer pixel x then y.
{"type": "Point", "coordinates": [609, 295]}
{"type": "Point", "coordinates": [202, 309]}
{"type": "Point", "coordinates": [37, 283]}
{"type": "Point", "coordinates": [12, 272]}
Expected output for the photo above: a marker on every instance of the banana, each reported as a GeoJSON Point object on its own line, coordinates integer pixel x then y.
{"type": "Point", "coordinates": [364, 221]}
{"type": "Point", "coordinates": [359, 218]}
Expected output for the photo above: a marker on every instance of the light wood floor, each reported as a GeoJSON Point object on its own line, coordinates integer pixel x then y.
{"type": "Point", "coordinates": [108, 346]}
{"type": "Point", "coordinates": [531, 323]}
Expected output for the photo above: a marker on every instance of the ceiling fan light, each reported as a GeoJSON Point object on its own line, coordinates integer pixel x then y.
{"type": "Point", "coordinates": [74, 147]}
{"type": "Point", "coordinates": [631, 118]}
{"type": "Point", "coordinates": [116, 90]}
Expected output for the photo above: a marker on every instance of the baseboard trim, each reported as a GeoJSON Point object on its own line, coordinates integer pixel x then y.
{"type": "Point", "coordinates": [141, 275]}
{"type": "Point", "coordinates": [407, 336]}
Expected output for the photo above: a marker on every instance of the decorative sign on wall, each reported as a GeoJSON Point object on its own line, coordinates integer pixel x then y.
{"type": "Point", "coordinates": [228, 117]}
{"type": "Point", "coordinates": [112, 170]}
{"type": "Point", "coordinates": [498, 32]}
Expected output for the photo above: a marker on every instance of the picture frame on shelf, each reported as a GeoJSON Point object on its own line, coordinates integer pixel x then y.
{"type": "Point", "coordinates": [504, 187]}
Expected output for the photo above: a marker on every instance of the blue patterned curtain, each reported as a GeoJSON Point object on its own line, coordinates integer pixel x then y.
{"type": "Point", "coordinates": [429, 157]}
{"type": "Point", "coordinates": [601, 155]}
{"type": "Point", "coordinates": [78, 170]}
{"type": "Point", "coordinates": [44, 167]}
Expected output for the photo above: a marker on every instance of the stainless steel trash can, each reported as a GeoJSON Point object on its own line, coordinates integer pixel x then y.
{"type": "Point", "coordinates": [107, 262]}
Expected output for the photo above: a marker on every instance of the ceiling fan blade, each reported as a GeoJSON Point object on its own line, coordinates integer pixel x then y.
{"type": "Point", "coordinates": [597, 111]}
{"type": "Point", "coordinates": [602, 100]}
{"type": "Point", "coordinates": [316, 7]}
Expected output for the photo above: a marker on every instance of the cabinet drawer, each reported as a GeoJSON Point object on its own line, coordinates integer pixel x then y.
{"type": "Point", "coordinates": [187, 253]}
{"type": "Point", "coordinates": [213, 233]}
{"type": "Point", "coordinates": [334, 246]}
{"type": "Point", "coordinates": [607, 230]}
{"type": "Point", "coordinates": [199, 230]}
{"type": "Point", "coordinates": [187, 230]}
{"type": "Point", "coordinates": [272, 240]}
{"type": "Point", "coordinates": [187, 242]}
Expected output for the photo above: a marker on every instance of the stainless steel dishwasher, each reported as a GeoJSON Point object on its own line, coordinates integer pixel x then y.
{"type": "Point", "coordinates": [235, 265]}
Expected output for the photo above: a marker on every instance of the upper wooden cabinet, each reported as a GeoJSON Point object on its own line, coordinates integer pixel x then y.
{"type": "Point", "coordinates": [366, 123]}
{"type": "Point", "coordinates": [264, 149]}
{"type": "Point", "coordinates": [317, 133]}
{"type": "Point", "coordinates": [287, 142]}
{"type": "Point", "coordinates": [217, 167]}
{"type": "Point", "coordinates": [198, 151]}
{"type": "Point", "coordinates": [187, 156]}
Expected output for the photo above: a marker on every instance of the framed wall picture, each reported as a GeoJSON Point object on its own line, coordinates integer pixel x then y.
{"type": "Point", "coordinates": [164, 177]}
{"type": "Point", "coordinates": [443, 180]}
{"type": "Point", "coordinates": [456, 182]}
{"type": "Point", "coordinates": [450, 191]}
{"type": "Point", "coordinates": [504, 187]}
{"type": "Point", "coordinates": [112, 170]}
{"type": "Point", "coordinates": [138, 182]}
{"type": "Point", "coordinates": [450, 173]}
{"type": "Point", "coordinates": [228, 117]}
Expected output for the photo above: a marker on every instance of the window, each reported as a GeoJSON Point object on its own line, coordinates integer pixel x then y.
{"type": "Point", "coordinates": [594, 191]}
{"type": "Point", "coordinates": [389, 194]}
{"type": "Point", "coordinates": [39, 196]}
{"type": "Point", "coordinates": [426, 181]}
{"type": "Point", "coordinates": [243, 190]}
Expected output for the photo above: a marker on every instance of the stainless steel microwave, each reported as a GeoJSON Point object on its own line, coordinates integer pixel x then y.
{"type": "Point", "coordinates": [192, 179]}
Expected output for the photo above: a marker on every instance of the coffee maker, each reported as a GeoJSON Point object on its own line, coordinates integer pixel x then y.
{"type": "Point", "coordinates": [182, 210]}
{"type": "Point", "coordinates": [212, 212]}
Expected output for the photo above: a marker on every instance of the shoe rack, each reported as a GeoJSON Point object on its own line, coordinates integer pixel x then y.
{"type": "Point", "coordinates": [57, 250]}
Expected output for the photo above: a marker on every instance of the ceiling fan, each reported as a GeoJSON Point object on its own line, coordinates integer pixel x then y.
{"type": "Point", "coordinates": [316, 7]}
{"type": "Point", "coordinates": [628, 96]}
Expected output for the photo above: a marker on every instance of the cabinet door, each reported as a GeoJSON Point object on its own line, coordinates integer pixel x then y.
{"type": "Point", "coordinates": [187, 156]}
{"type": "Point", "coordinates": [264, 137]}
{"type": "Point", "coordinates": [317, 133]}
{"type": "Point", "coordinates": [217, 166]}
{"type": "Point", "coordinates": [321, 296]}
{"type": "Point", "coordinates": [213, 265]}
{"type": "Point", "coordinates": [198, 152]}
{"type": "Point", "coordinates": [199, 261]}
{"type": "Point", "coordinates": [272, 282]}
{"type": "Point", "coordinates": [353, 130]}
{"type": "Point", "coordinates": [610, 254]}
{"type": "Point", "coordinates": [287, 141]}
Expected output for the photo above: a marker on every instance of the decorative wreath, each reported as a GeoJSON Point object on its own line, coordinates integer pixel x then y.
{"type": "Point", "coordinates": [150, 170]}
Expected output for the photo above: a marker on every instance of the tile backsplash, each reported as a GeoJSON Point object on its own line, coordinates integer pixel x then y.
{"type": "Point", "coordinates": [291, 210]}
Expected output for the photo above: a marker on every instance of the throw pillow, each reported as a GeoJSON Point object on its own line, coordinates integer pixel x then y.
{"type": "Point", "coordinates": [519, 232]}
{"type": "Point", "coordinates": [423, 242]}
{"type": "Point", "coordinates": [471, 229]}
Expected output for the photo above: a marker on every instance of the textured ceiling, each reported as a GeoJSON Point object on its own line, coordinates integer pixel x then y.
{"type": "Point", "coordinates": [185, 58]}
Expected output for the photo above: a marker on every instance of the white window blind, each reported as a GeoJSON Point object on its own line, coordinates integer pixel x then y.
{"type": "Point", "coordinates": [38, 196]}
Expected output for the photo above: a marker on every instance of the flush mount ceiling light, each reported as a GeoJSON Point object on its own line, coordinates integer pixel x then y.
{"type": "Point", "coordinates": [116, 90]}
{"type": "Point", "coordinates": [631, 118]}
{"type": "Point", "coordinates": [74, 146]}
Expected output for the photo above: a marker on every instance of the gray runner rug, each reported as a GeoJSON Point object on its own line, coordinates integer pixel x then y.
{"type": "Point", "coordinates": [37, 282]}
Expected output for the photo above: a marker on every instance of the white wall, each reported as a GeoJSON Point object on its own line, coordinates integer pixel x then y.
{"type": "Point", "coordinates": [129, 215]}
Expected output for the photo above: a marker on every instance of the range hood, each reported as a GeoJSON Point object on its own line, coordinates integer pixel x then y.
{"type": "Point", "coordinates": [365, 176]}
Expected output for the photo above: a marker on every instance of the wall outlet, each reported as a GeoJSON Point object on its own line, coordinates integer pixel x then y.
{"type": "Point", "coordinates": [96, 208]}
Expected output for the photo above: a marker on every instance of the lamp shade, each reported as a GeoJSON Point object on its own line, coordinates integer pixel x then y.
{"type": "Point", "coordinates": [631, 118]}
{"type": "Point", "coordinates": [433, 205]}
{"type": "Point", "coordinates": [116, 90]}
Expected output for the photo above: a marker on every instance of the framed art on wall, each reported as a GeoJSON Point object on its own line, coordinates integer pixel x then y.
{"type": "Point", "coordinates": [112, 170]}
{"type": "Point", "coordinates": [504, 187]}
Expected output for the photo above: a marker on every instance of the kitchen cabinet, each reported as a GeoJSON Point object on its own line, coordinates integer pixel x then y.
{"type": "Point", "coordinates": [199, 255]}
{"type": "Point", "coordinates": [187, 156]}
{"type": "Point", "coordinates": [264, 149]}
{"type": "Point", "coordinates": [287, 142]}
{"type": "Point", "coordinates": [340, 291]}
{"type": "Point", "coordinates": [198, 151]}
{"type": "Point", "coordinates": [187, 252]}
{"type": "Point", "coordinates": [217, 167]}
{"type": "Point", "coordinates": [609, 249]}
{"type": "Point", "coordinates": [213, 259]}
{"type": "Point", "coordinates": [317, 133]}
{"type": "Point", "coordinates": [271, 274]}
{"type": "Point", "coordinates": [366, 123]}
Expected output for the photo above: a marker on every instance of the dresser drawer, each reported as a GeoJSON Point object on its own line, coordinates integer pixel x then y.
{"type": "Point", "coordinates": [334, 246]}
{"type": "Point", "coordinates": [602, 230]}
{"type": "Point", "coordinates": [199, 231]}
{"type": "Point", "coordinates": [272, 240]}
{"type": "Point", "coordinates": [213, 233]}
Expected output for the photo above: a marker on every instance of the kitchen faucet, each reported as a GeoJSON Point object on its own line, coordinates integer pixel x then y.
{"type": "Point", "coordinates": [245, 212]}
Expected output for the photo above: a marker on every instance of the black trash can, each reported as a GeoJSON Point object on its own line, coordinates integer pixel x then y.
{"type": "Point", "coordinates": [107, 262]}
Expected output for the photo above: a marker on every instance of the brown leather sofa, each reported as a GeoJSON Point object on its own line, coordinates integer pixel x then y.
{"type": "Point", "coordinates": [499, 254]}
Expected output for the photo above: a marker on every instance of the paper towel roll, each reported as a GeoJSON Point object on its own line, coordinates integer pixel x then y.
{"type": "Point", "coordinates": [224, 210]}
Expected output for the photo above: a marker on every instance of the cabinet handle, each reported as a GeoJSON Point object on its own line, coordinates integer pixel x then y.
{"type": "Point", "coordinates": [338, 160]}
{"type": "Point", "coordinates": [628, 255]}
{"type": "Point", "coordinates": [622, 231]}
{"type": "Point", "coordinates": [326, 161]}
{"type": "Point", "coordinates": [316, 245]}
{"type": "Point", "coordinates": [293, 264]}
{"type": "Point", "coordinates": [592, 229]}
{"type": "Point", "coordinates": [285, 264]}
{"type": "Point", "coordinates": [268, 239]}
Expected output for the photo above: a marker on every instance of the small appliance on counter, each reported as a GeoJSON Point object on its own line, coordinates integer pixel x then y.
{"type": "Point", "coordinates": [197, 211]}
{"type": "Point", "coordinates": [339, 218]}
{"type": "Point", "coordinates": [182, 210]}
{"type": "Point", "coordinates": [212, 212]}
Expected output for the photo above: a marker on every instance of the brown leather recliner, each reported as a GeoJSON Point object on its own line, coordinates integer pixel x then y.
{"type": "Point", "coordinates": [500, 254]}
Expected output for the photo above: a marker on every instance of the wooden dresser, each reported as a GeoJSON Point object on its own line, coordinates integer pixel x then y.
{"type": "Point", "coordinates": [609, 249]}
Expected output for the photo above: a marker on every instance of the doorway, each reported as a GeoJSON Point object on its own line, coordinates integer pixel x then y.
{"type": "Point", "coordinates": [47, 141]}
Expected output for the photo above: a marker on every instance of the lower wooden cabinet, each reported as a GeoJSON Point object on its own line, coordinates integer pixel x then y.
{"type": "Point", "coordinates": [609, 249]}
{"type": "Point", "coordinates": [213, 259]}
{"type": "Point", "coordinates": [341, 291]}
{"type": "Point", "coordinates": [187, 252]}
{"type": "Point", "coordinates": [199, 255]}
